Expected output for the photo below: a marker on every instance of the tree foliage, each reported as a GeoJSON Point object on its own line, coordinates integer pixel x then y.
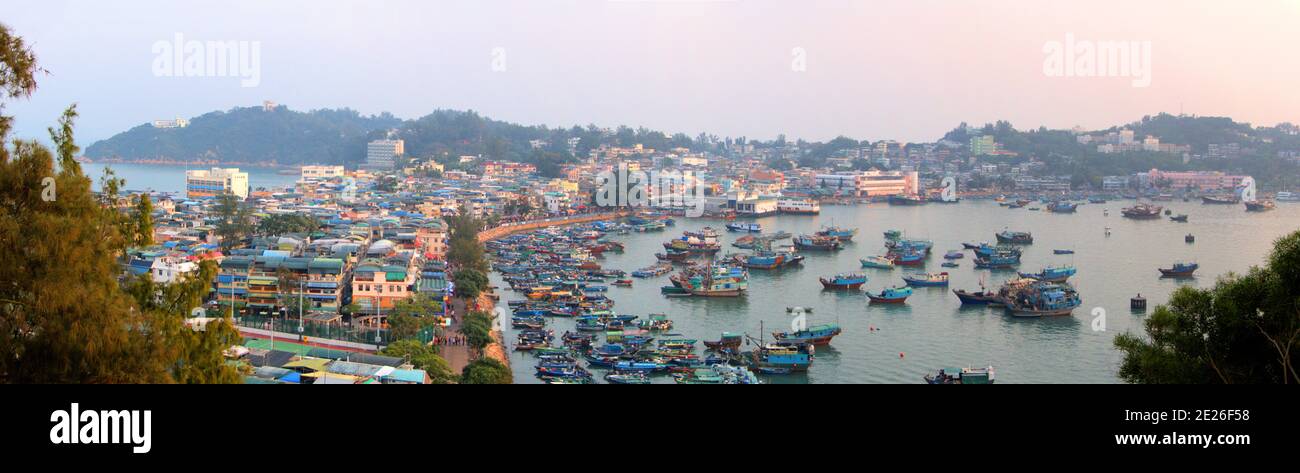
{"type": "Point", "coordinates": [477, 329]}
{"type": "Point", "coordinates": [282, 224]}
{"type": "Point", "coordinates": [234, 221]}
{"type": "Point", "coordinates": [64, 317]}
{"type": "Point", "coordinates": [424, 357]}
{"type": "Point", "coordinates": [413, 315]}
{"type": "Point", "coordinates": [1243, 330]}
{"type": "Point", "coordinates": [486, 371]}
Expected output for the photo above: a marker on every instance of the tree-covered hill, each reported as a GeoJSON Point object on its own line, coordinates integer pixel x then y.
{"type": "Point", "coordinates": [252, 135]}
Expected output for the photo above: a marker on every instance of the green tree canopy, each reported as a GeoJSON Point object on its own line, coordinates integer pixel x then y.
{"type": "Point", "coordinates": [422, 356]}
{"type": "Point", "coordinates": [486, 371]}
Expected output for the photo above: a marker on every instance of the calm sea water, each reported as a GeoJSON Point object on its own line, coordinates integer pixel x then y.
{"type": "Point", "coordinates": [932, 330]}
{"type": "Point", "coordinates": [171, 179]}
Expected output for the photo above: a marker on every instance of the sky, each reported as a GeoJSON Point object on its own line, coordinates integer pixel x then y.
{"type": "Point", "coordinates": [812, 69]}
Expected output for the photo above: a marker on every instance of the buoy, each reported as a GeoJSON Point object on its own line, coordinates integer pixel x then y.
{"type": "Point", "coordinates": [1138, 303]}
{"type": "Point", "coordinates": [900, 354]}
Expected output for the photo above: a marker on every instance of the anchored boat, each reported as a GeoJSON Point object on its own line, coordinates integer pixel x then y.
{"type": "Point", "coordinates": [932, 279]}
{"type": "Point", "coordinates": [832, 231]}
{"type": "Point", "coordinates": [744, 227]}
{"type": "Point", "coordinates": [1052, 274]}
{"type": "Point", "coordinates": [879, 262]}
{"type": "Point", "coordinates": [1019, 238]}
{"type": "Point", "coordinates": [963, 376]}
{"type": "Point", "coordinates": [816, 335]}
{"type": "Point", "coordinates": [843, 281]}
{"type": "Point", "coordinates": [1180, 270]}
{"type": "Point", "coordinates": [893, 295]}
{"type": "Point", "coordinates": [1142, 211]}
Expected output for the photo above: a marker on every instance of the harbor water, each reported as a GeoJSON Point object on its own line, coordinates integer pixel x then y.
{"type": "Point", "coordinates": [900, 344]}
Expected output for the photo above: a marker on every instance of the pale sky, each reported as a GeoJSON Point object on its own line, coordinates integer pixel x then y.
{"type": "Point", "coordinates": [904, 70]}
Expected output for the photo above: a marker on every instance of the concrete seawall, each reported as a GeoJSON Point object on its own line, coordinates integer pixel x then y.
{"type": "Point", "coordinates": [512, 228]}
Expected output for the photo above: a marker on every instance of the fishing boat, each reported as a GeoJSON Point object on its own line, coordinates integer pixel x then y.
{"type": "Point", "coordinates": [843, 281]}
{"type": "Point", "coordinates": [999, 260]}
{"type": "Point", "coordinates": [627, 378]}
{"type": "Point", "coordinates": [1287, 196]}
{"type": "Point", "coordinates": [1096, 200]}
{"type": "Point", "coordinates": [1142, 211]}
{"type": "Point", "coordinates": [816, 335]}
{"type": "Point", "coordinates": [1260, 206]}
{"type": "Point", "coordinates": [792, 356]}
{"type": "Point", "coordinates": [652, 271]}
{"type": "Point", "coordinates": [1180, 270]}
{"type": "Point", "coordinates": [1040, 299]}
{"type": "Point", "coordinates": [1230, 199]}
{"type": "Point", "coordinates": [714, 281]}
{"type": "Point", "coordinates": [623, 283]}
{"type": "Point", "coordinates": [694, 244]}
{"type": "Point", "coordinates": [1019, 238]}
{"type": "Point", "coordinates": [878, 262]}
{"type": "Point", "coordinates": [1179, 218]}
{"type": "Point", "coordinates": [1063, 252]}
{"type": "Point", "coordinates": [798, 206]}
{"type": "Point", "coordinates": [639, 366]}
{"type": "Point", "coordinates": [893, 295]}
{"type": "Point", "coordinates": [950, 264]}
{"type": "Point", "coordinates": [983, 297]}
{"type": "Point", "coordinates": [656, 323]}
{"type": "Point", "coordinates": [728, 342]}
{"type": "Point", "coordinates": [900, 199]}
{"type": "Point", "coordinates": [1062, 207]}
{"type": "Point", "coordinates": [744, 227]}
{"type": "Point", "coordinates": [908, 258]}
{"type": "Point", "coordinates": [954, 254]}
{"type": "Point", "coordinates": [674, 256]}
{"type": "Point", "coordinates": [1052, 274]}
{"type": "Point", "coordinates": [963, 376]}
{"type": "Point", "coordinates": [841, 233]}
{"type": "Point", "coordinates": [891, 235]}
{"type": "Point", "coordinates": [817, 243]}
{"type": "Point", "coordinates": [923, 280]}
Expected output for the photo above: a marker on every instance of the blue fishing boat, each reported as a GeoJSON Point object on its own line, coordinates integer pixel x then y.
{"type": "Point", "coordinates": [640, 366]}
{"type": "Point", "coordinates": [908, 258]}
{"type": "Point", "coordinates": [1052, 274]}
{"type": "Point", "coordinates": [843, 281]}
{"type": "Point", "coordinates": [1180, 270]}
{"type": "Point", "coordinates": [744, 227]}
{"type": "Point", "coordinates": [954, 254]}
{"type": "Point", "coordinates": [933, 279]}
{"type": "Point", "coordinates": [987, 250]}
{"type": "Point", "coordinates": [792, 356]}
{"type": "Point", "coordinates": [816, 335]}
{"type": "Point", "coordinates": [998, 261]}
{"type": "Point", "coordinates": [841, 233]}
{"type": "Point", "coordinates": [950, 264]}
{"type": "Point", "coordinates": [1063, 252]}
{"type": "Point", "coordinates": [1062, 207]}
{"type": "Point", "coordinates": [893, 295]}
